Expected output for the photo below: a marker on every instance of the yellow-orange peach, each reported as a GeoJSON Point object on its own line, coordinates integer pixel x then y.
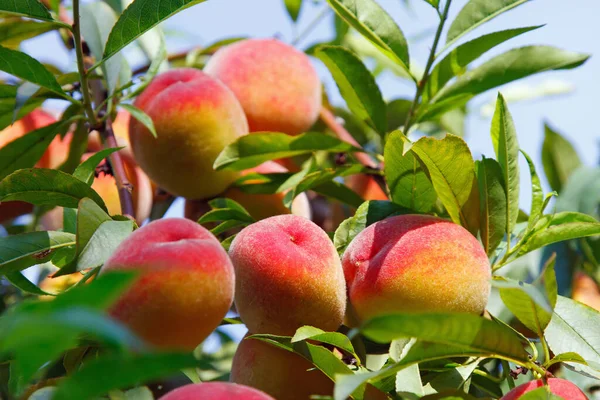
{"type": "Point", "coordinates": [185, 284]}
{"type": "Point", "coordinates": [288, 274]}
{"type": "Point", "coordinates": [278, 372]}
{"type": "Point", "coordinates": [260, 206]}
{"type": "Point", "coordinates": [195, 117]}
{"type": "Point", "coordinates": [416, 263]}
{"type": "Point", "coordinates": [586, 290]}
{"type": "Point", "coordinates": [276, 84]}
{"type": "Point", "coordinates": [57, 285]}
{"type": "Point", "coordinates": [561, 387]}
{"type": "Point", "coordinates": [367, 187]}
{"type": "Point", "coordinates": [216, 391]}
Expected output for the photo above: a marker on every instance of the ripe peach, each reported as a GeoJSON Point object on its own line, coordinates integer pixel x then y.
{"type": "Point", "coordinates": [260, 206]}
{"type": "Point", "coordinates": [57, 285]}
{"type": "Point", "coordinates": [195, 117]}
{"type": "Point", "coordinates": [416, 263]}
{"type": "Point", "coordinates": [278, 372]}
{"type": "Point", "coordinates": [216, 391]}
{"type": "Point", "coordinates": [185, 286]}
{"type": "Point", "coordinates": [586, 291]}
{"type": "Point", "coordinates": [367, 187]}
{"type": "Point", "coordinates": [288, 275]}
{"type": "Point", "coordinates": [276, 84]}
{"type": "Point", "coordinates": [561, 387]}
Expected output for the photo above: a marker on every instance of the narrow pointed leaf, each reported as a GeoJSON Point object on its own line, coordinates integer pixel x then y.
{"type": "Point", "coordinates": [492, 196]}
{"type": "Point", "coordinates": [18, 252]}
{"type": "Point", "coordinates": [28, 68]}
{"type": "Point", "coordinates": [27, 8]}
{"type": "Point", "coordinates": [504, 139]}
{"type": "Point", "coordinates": [139, 17]}
{"type": "Point", "coordinates": [141, 117]}
{"type": "Point", "coordinates": [537, 194]}
{"type": "Point", "coordinates": [476, 13]}
{"type": "Point", "coordinates": [86, 170]}
{"type": "Point", "coordinates": [293, 8]}
{"type": "Point", "coordinates": [559, 158]}
{"type": "Point", "coordinates": [371, 21]}
{"type": "Point", "coordinates": [356, 84]}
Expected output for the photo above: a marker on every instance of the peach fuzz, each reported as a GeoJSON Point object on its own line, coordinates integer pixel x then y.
{"type": "Point", "coordinates": [561, 387]}
{"type": "Point", "coordinates": [288, 274]}
{"type": "Point", "coordinates": [185, 284]}
{"type": "Point", "coordinates": [195, 117]}
{"type": "Point", "coordinates": [278, 372]}
{"type": "Point", "coordinates": [260, 206]}
{"type": "Point", "coordinates": [216, 391]}
{"type": "Point", "coordinates": [276, 84]}
{"type": "Point", "coordinates": [416, 263]}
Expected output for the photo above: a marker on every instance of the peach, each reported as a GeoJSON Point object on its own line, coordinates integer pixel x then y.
{"type": "Point", "coordinates": [416, 263]}
{"type": "Point", "coordinates": [185, 286]}
{"type": "Point", "coordinates": [288, 275]}
{"type": "Point", "coordinates": [366, 186]}
{"type": "Point", "coordinates": [216, 391]}
{"type": "Point", "coordinates": [561, 387]}
{"type": "Point", "coordinates": [586, 290]}
{"type": "Point", "coordinates": [260, 206]}
{"type": "Point", "coordinates": [276, 84]}
{"type": "Point", "coordinates": [57, 285]}
{"type": "Point", "coordinates": [195, 117]}
{"type": "Point", "coordinates": [278, 372]}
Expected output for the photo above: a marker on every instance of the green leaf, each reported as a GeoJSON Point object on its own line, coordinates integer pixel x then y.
{"type": "Point", "coordinates": [139, 17]}
{"type": "Point", "coordinates": [357, 85]}
{"type": "Point", "coordinates": [340, 192]}
{"type": "Point", "coordinates": [97, 19]}
{"type": "Point", "coordinates": [559, 227]}
{"type": "Point", "coordinates": [409, 184]}
{"type": "Point", "coordinates": [18, 280]}
{"type": "Point", "coordinates": [8, 94]}
{"type": "Point", "coordinates": [27, 8]}
{"type": "Point", "coordinates": [459, 329]}
{"type": "Point", "coordinates": [18, 252]}
{"type": "Point", "coordinates": [526, 302]}
{"type": "Point", "coordinates": [559, 158]}
{"type": "Point", "coordinates": [293, 8]}
{"type": "Point", "coordinates": [28, 68]}
{"type": "Point", "coordinates": [13, 31]}
{"type": "Point", "coordinates": [225, 214]}
{"type": "Point", "coordinates": [581, 192]}
{"type": "Point", "coordinates": [140, 116]}
{"type": "Point", "coordinates": [542, 393]}
{"type": "Point", "coordinates": [492, 198]}
{"type": "Point", "coordinates": [451, 169]}
{"type": "Point", "coordinates": [434, 3]}
{"type": "Point", "coordinates": [537, 194]}
{"type": "Point", "coordinates": [397, 111]}
{"type": "Point", "coordinates": [85, 172]}
{"type": "Point", "coordinates": [84, 383]}
{"type": "Point", "coordinates": [455, 62]}
{"type": "Point", "coordinates": [476, 13]}
{"type": "Point", "coordinates": [27, 150]}
{"type": "Point", "coordinates": [368, 213]}
{"type": "Point", "coordinates": [506, 146]}
{"type": "Point", "coordinates": [372, 22]}
{"type": "Point", "coordinates": [510, 66]}
{"type": "Point", "coordinates": [574, 328]}
{"type": "Point", "coordinates": [252, 150]}
{"type": "Point", "coordinates": [46, 187]}
{"type": "Point", "coordinates": [336, 339]}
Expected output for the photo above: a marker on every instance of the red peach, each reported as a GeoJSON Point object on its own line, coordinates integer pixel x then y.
{"type": "Point", "coordinates": [278, 372]}
{"type": "Point", "coordinates": [216, 391]}
{"type": "Point", "coordinates": [276, 84]}
{"type": "Point", "coordinates": [416, 263]}
{"type": "Point", "coordinates": [288, 275]}
{"type": "Point", "coordinates": [185, 286]}
{"type": "Point", "coordinates": [195, 117]}
{"type": "Point", "coordinates": [561, 387]}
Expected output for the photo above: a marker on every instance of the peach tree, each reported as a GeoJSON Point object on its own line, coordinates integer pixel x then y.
{"type": "Point", "coordinates": [411, 280]}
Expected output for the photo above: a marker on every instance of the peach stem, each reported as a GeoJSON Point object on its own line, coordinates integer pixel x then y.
{"type": "Point", "coordinates": [330, 120]}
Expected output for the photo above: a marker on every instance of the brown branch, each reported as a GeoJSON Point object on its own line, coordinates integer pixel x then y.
{"type": "Point", "coordinates": [330, 120]}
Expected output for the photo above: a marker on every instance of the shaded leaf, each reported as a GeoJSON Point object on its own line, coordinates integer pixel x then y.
{"type": "Point", "coordinates": [27, 8]}
{"type": "Point", "coordinates": [85, 172]}
{"type": "Point", "coordinates": [492, 195]}
{"type": "Point", "coordinates": [559, 158]}
{"type": "Point", "coordinates": [18, 252]}
{"type": "Point", "coordinates": [27, 68]}
{"type": "Point", "coordinates": [537, 194]}
{"type": "Point", "coordinates": [140, 116]}
{"type": "Point", "coordinates": [16, 30]}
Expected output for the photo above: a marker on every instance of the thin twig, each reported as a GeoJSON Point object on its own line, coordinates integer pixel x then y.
{"type": "Point", "coordinates": [430, 60]}
{"type": "Point", "coordinates": [315, 22]}
{"type": "Point", "coordinates": [123, 185]}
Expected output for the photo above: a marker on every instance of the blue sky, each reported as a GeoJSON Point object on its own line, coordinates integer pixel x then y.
{"type": "Point", "coordinates": [570, 25]}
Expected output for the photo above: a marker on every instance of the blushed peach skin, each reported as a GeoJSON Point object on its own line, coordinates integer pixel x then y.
{"type": "Point", "coordinates": [216, 391]}
{"type": "Point", "coordinates": [260, 206]}
{"type": "Point", "coordinates": [416, 263]}
{"type": "Point", "coordinates": [278, 372]}
{"type": "Point", "coordinates": [185, 286]}
{"type": "Point", "coordinates": [276, 84]}
{"type": "Point", "coordinates": [366, 187]}
{"type": "Point", "coordinates": [561, 387]}
{"type": "Point", "coordinates": [195, 117]}
{"type": "Point", "coordinates": [288, 274]}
